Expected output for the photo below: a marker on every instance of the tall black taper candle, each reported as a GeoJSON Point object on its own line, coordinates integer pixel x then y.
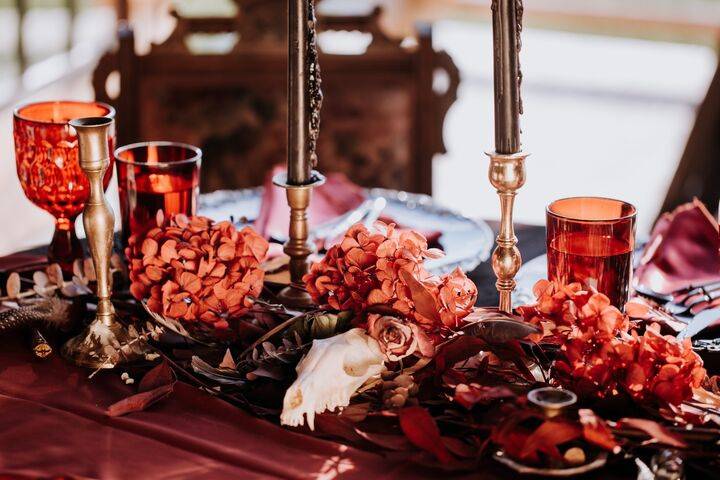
{"type": "Point", "coordinates": [507, 24]}
{"type": "Point", "coordinates": [304, 94]}
{"type": "Point", "coordinates": [297, 163]}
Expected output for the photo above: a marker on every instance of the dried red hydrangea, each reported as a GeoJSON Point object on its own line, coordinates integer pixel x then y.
{"type": "Point", "coordinates": [659, 366]}
{"type": "Point", "coordinates": [600, 354]}
{"type": "Point", "coordinates": [192, 269]}
{"type": "Point", "coordinates": [384, 266]}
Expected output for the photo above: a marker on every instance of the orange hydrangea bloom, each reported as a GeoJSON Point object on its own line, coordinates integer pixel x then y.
{"type": "Point", "coordinates": [192, 269]}
{"type": "Point", "coordinates": [600, 354]}
{"type": "Point", "coordinates": [384, 266]}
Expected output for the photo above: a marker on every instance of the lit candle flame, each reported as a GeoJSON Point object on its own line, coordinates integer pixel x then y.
{"type": "Point", "coordinates": [152, 154]}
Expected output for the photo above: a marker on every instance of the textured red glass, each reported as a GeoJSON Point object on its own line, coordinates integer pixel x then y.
{"type": "Point", "coordinates": [591, 240]}
{"type": "Point", "coordinates": [156, 176]}
{"type": "Point", "coordinates": [46, 155]}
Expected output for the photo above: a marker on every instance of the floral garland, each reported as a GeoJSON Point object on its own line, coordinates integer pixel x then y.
{"type": "Point", "coordinates": [391, 340]}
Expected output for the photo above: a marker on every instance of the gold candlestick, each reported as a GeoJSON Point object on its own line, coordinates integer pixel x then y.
{"type": "Point", "coordinates": [507, 175]}
{"type": "Point", "coordinates": [297, 246]}
{"type": "Point", "coordinates": [95, 346]}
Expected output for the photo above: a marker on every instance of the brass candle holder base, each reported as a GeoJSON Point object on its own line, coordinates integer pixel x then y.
{"type": "Point", "coordinates": [297, 246]}
{"type": "Point", "coordinates": [507, 175]}
{"type": "Point", "coordinates": [97, 346]}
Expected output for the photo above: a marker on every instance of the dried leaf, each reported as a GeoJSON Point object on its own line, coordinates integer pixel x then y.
{"type": "Point", "coordinates": [495, 326]}
{"type": "Point", "coordinates": [40, 279]}
{"type": "Point", "coordinates": [13, 285]}
{"type": "Point", "coordinates": [139, 401]}
{"type": "Point", "coordinates": [597, 432]}
{"type": "Point", "coordinates": [654, 430]}
{"type": "Point", "coordinates": [423, 299]}
{"type": "Point", "coordinates": [470, 395]}
{"type": "Point", "coordinates": [546, 439]}
{"type": "Point", "coordinates": [227, 361]}
{"type": "Point", "coordinates": [54, 274]}
{"type": "Point", "coordinates": [462, 348]}
{"type": "Point", "coordinates": [356, 413]}
{"type": "Point", "coordinates": [158, 376]}
{"type": "Point", "coordinates": [422, 431]}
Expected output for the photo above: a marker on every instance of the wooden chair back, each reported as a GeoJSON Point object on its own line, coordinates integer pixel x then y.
{"type": "Point", "coordinates": [382, 117]}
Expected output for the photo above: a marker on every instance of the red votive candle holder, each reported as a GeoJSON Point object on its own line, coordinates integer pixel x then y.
{"type": "Point", "coordinates": [155, 176]}
{"type": "Point", "coordinates": [46, 154]}
{"type": "Point", "coordinates": [591, 240]}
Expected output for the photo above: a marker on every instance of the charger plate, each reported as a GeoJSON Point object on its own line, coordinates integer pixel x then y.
{"type": "Point", "coordinates": [467, 242]}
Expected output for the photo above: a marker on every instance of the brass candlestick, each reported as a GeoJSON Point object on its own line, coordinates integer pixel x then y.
{"type": "Point", "coordinates": [297, 246]}
{"type": "Point", "coordinates": [507, 162]}
{"type": "Point", "coordinates": [97, 343]}
{"type": "Point", "coordinates": [507, 175]}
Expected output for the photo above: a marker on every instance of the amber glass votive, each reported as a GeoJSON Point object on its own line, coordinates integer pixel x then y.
{"type": "Point", "coordinates": [48, 168]}
{"type": "Point", "coordinates": [156, 176]}
{"type": "Point", "coordinates": [591, 240]}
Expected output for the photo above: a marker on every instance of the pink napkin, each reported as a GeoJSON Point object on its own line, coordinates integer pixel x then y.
{"type": "Point", "coordinates": [683, 251]}
{"type": "Point", "coordinates": [337, 196]}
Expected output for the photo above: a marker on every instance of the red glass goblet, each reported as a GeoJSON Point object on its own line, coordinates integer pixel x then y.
{"type": "Point", "coordinates": [155, 176]}
{"type": "Point", "coordinates": [591, 240]}
{"type": "Point", "coordinates": [46, 154]}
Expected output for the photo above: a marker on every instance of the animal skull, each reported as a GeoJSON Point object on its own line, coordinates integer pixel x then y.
{"type": "Point", "coordinates": [329, 374]}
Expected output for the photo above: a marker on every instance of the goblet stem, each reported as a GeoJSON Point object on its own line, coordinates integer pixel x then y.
{"type": "Point", "coordinates": [64, 247]}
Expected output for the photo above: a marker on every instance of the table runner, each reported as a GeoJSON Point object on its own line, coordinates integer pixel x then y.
{"type": "Point", "coordinates": [53, 423]}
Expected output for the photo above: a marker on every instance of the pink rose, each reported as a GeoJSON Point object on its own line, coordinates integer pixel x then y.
{"type": "Point", "coordinates": [456, 297]}
{"type": "Point", "coordinates": [399, 338]}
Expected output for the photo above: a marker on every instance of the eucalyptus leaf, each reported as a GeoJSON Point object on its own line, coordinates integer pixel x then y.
{"type": "Point", "coordinates": [323, 326]}
{"type": "Point", "coordinates": [40, 279]}
{"type": "Point", "coordinates": [13, 285]}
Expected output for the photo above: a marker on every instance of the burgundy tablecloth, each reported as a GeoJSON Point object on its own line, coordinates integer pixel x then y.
{"type": "Point", "coordinates": [53, 424]}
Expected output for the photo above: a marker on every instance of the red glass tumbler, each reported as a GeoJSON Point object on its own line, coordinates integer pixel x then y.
{"type": "Point", "coordinates": [591, 240]}
{"type": "Point", "coordinates": [156, 176]}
